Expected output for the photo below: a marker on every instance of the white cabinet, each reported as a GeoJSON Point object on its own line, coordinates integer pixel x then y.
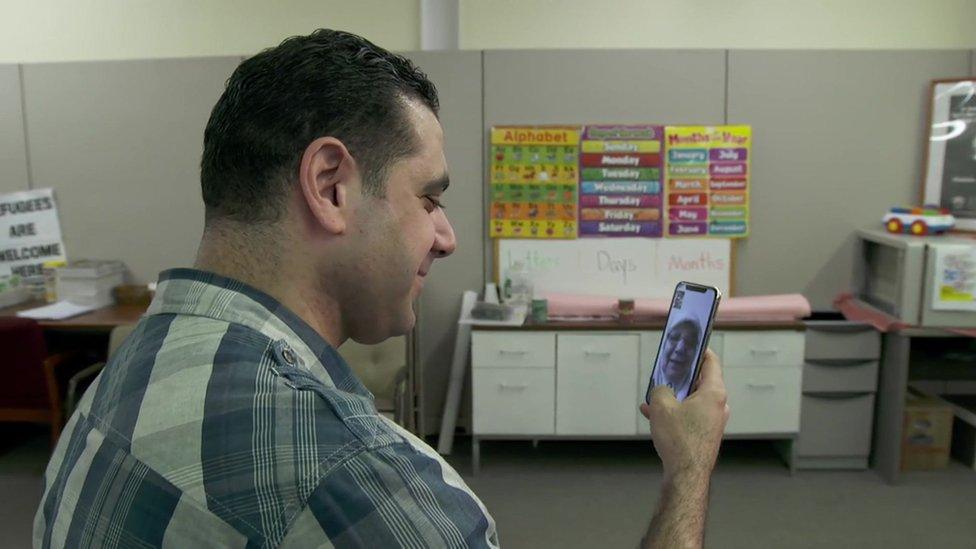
{"type": "Point", "coordinates": [575, 383]}
{"type": "Point", "coordinates": [763, 376]}
{"type": "Point", "coordinates": [762, 348]}
{"type": "Point", "coordinates": [763, 399]}
{"type": "Point", "coordinates": [520, 349]}
{"type": "Point", "coordinates": [513, 382]}
{"type": "Point", "coordinates": [513, 401]}
{"type": "Point", "coordinates": [593, 373]}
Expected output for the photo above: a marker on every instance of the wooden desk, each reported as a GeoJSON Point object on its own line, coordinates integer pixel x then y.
{"type": "Point", "coordinates": [99, 321]}
{"type": "Point", "coordinates": [908, 355]}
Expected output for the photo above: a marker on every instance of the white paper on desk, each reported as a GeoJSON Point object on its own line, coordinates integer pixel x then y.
{"type": "Point", "coordinates": [56, 311]}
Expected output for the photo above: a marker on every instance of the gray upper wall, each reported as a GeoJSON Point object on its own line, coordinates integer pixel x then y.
{"type": "Point", "coordinates": [457, 76]}
{"type": "Point", "coordinates": [120, 143]}
{"type": "Point", "coordinates": [13, 149]}
{"type": "Point", "coordinates": [837, 140]}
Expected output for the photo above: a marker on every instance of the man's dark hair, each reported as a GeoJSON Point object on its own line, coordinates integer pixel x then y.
{"type": "Point", "coordinates": [329, 83]}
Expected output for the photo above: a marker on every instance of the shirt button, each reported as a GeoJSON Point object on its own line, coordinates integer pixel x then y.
{"type": "Point", "coordinates": [289, 356]}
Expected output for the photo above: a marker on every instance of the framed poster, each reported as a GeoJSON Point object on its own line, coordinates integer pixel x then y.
{"type": "Point", "coordinates": [950, 152]}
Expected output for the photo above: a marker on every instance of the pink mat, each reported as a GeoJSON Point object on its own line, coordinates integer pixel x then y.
{"type": "Point", "coordinates": [856, 310]}
{"type": "Point", "coordinates": [760, 308]}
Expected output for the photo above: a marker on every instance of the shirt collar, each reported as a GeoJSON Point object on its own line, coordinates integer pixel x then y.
{"type": "Point", "coordinates": [200, 293]}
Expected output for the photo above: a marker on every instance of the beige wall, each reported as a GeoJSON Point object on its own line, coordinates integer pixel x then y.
{"type": "Point", "coordinates": [73, 30]}
{"type": "Point", "coordinates": [755, 24]}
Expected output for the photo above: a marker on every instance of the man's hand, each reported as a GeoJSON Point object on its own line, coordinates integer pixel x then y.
{"type": "Point", "coordinates": [687, 436]}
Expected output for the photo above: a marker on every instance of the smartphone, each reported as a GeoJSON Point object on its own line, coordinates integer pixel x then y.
{"type": "Point", "coordinates": [682, 349]}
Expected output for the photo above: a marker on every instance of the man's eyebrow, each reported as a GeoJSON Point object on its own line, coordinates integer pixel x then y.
{"type": "Point", "coordinates": [438, 185]}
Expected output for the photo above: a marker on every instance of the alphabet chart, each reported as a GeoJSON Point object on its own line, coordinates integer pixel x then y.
{"type": "Point", "coordinates": [534, 181]}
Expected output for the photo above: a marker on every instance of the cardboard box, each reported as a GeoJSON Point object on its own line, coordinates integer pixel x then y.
{"type": "Point", "coordinates": [926, 433]}
{"type": "Point", "coordinates": [964, 428]}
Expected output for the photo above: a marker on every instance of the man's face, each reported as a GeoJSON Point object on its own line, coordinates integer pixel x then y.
{"type": "Point", "coordinates": [679, 351]}
{"type": "Point", "coordinates": [397, 237]}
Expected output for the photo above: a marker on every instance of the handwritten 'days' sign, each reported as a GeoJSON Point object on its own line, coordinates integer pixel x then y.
{"type": "Point", "coordinates": [619, 267]}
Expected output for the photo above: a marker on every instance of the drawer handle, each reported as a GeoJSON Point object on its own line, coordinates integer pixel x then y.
{"type": "Point", "coordinates": [838, 395]}
{"type": "Point", "coordinates": [512, 386]}
{"type": "Point", "coordinates": [841, 362]}
{"type": "Point", "coordinates": [503, 352]}
{"type": "Point", "coordinates": [761, 385]}
{"type": "Point", "coordinates": [600, 354]}
{"type": "Point", "coordinates": [764, 352]}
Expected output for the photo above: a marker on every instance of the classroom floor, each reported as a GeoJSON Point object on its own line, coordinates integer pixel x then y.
{"type": "Point", "coordinates": [572, 494]}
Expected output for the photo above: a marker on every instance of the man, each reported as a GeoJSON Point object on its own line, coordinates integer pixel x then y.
{"type": "Point", "coordinates": [675, 364]}
{"type": "Point", "coordinates": [228, 418]}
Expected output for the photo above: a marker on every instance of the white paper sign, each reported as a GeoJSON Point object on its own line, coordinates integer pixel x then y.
{"type": "Point", "coordinates": [619, 267]}
{"type": "Point", "coordinates": [955, 278]}
{"type": "Point", "coordinates": [30, 233]}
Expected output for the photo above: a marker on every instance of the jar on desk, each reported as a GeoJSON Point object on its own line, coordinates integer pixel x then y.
{"type": "Point", "coordinates": [49, 272]}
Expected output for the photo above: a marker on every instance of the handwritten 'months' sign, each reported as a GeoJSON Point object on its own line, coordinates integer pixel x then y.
{"type": "Point", "coordinates": [30, 233]}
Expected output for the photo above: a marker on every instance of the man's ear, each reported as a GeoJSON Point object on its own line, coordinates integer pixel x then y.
{"type": "Point", "coordinates": [325, 174]}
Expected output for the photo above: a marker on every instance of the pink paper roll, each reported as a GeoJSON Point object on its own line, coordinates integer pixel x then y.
{"type": "Point", "coordinates": [782, 307]}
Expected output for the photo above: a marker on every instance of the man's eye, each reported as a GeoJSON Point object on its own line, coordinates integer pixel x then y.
{"type": "Point", "coordinates": [434, 202]}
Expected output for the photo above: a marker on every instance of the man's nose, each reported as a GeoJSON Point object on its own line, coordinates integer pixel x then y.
{"type": "Point", "coordinates": [444, 241]}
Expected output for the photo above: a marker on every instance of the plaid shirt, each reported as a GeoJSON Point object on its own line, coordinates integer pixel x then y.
{"type": "Point", "coordinates": [226, 421]}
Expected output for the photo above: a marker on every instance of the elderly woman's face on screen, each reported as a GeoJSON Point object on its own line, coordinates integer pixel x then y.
{"type": "Point", "coordinates": [679, 350]}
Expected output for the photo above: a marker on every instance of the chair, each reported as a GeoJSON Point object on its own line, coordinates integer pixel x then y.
{"type": "Point", "coordinates": [30, 389]}
{"type": "Point", "coordinates": [80, 381]}
{"type": "Point", "coordinates": [383, 370]}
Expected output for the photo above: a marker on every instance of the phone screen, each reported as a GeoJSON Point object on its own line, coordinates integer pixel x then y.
{"type": "Point", "coordinates": [685, 338]}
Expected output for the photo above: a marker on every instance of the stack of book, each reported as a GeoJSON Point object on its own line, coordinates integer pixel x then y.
{"type": "Point", "coordinates": [89, 282]}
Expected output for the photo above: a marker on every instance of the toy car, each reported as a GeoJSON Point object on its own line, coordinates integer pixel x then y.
{"type": "Point", "coordinates": [918, 221]}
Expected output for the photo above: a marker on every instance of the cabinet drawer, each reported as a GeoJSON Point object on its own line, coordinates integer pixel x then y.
{"type": "Point", "coordinates": [842, 340]}
{"type": "Point", "coordinates": [595, 379]}
{"type": "Point", "coordinates": [518, 349]}
{"type": "Point", "coordinates": [836, 425]}
{"type": "Point", "coordinates": [763, 400]}
{"type": "Point", "coordinates": [770, 348]}
{"type": "Point", "coordinates": [513, 401]}
{"type": "Point", "coordinates": [840, 375]}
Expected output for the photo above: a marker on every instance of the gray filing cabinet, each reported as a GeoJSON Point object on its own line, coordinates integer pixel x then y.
{"type": "Point", "coordinates": [840, 378]}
